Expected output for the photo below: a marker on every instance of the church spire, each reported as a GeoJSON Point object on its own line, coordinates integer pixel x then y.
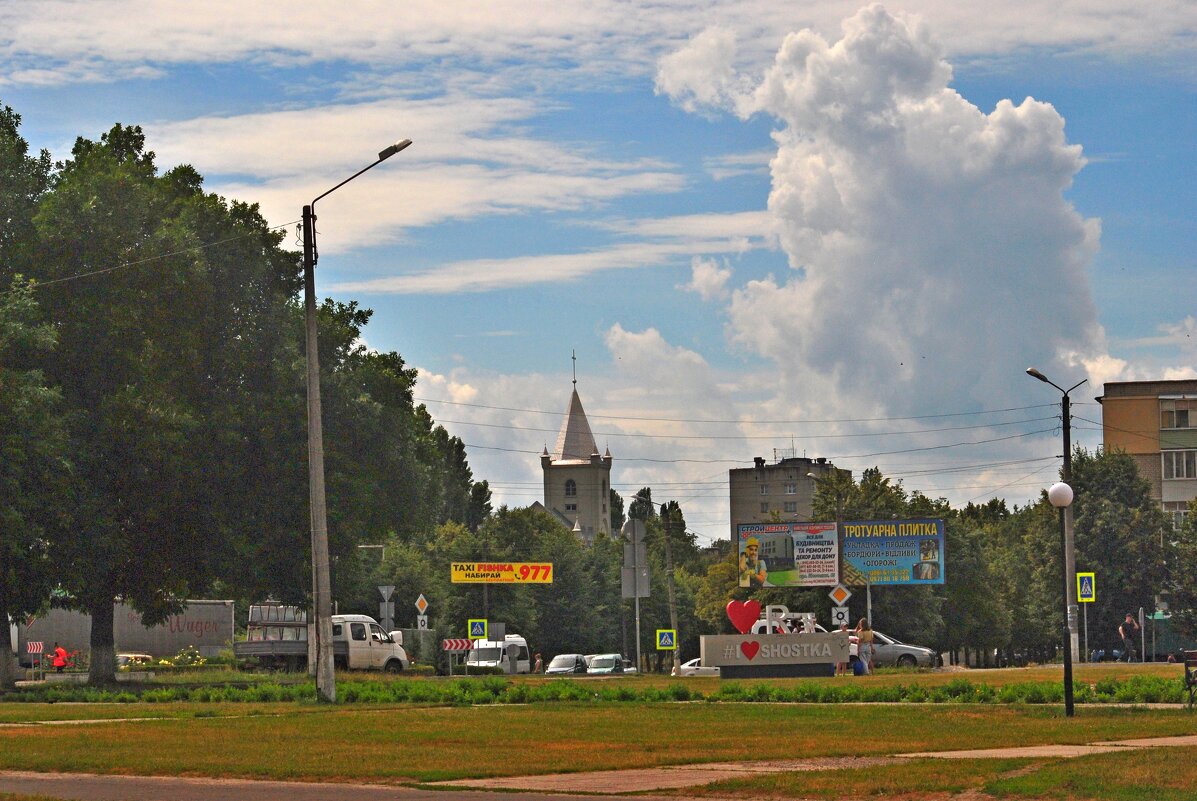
{"type": "Point", "coordinates": [575, 440]}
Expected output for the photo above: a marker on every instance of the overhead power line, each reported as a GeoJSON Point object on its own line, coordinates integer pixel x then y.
{"type": "Point", "coordinates": [737, 437]}
{"type": "Point", "coordinates": [740, 422]}
{"type": "Point", "coordinates": [148, 259]}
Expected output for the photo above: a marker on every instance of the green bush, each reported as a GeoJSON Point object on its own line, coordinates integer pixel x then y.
{"type": "Point", "coordinates": [498, 689]}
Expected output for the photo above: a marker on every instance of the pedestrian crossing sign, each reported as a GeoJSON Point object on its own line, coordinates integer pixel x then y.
{"type": "Point", "coordinates": [477, 628]}
{"type": "Point", "coordinates": [666, 639]}
{"type": "Point", "coordinates": [1086, 588]}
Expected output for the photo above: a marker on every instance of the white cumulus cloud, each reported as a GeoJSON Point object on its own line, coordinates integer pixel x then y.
{"type": "Point", "coordinates": [708, 279]}
{"type": "Point", "coordinates": [935, 254]}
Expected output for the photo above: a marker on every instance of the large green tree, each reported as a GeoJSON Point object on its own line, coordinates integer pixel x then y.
{"type": "Point", "coordinates": [170, 307]}
{"type": "Point", "coordinates": [1121, 535]}
{"type": "Point", "coordinates": [35, 473]}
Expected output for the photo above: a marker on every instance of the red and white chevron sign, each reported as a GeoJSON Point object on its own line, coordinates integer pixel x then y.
{"type": "Point", "coordinates": [34, 647]}
{"type": "Point", "coordinates": [455, 646]}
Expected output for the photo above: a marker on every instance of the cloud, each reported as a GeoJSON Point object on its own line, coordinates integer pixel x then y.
{"type": "Point", "coordinates": [1168, 355]}
{"type": "Point", "coordinates": [921, 229]}
{"type": "Point", "coordinates": [532, 43]}
{"type": "Point", "coordinates": [708, 279]}
{"type": "Point", "coordinates": [701, 74]}
{"type": "Point", "coordinates": [734, 165]}
{"type": "Point", "coordinates": [655, 242]}
{"type": "Point", "coordinates": [470, 157]}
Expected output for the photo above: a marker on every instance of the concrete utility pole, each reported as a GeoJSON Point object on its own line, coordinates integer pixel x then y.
{"type": "Point", "coordinates": [322, 644]}
{"type": "Point", "coordinates": [667, 519]}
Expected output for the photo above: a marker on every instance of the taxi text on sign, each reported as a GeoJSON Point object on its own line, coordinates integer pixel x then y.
{"type": "Point", "coordinates": [502, 572]}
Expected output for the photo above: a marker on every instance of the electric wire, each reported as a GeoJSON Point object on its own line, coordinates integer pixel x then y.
{"type": "Point", "coordinates": [138, 262]}
{"type": "Point", "coordinates": [738, 437]}
{"type": "Point", "coordinates": [739, 422]}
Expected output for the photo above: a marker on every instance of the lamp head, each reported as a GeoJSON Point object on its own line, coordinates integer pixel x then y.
{"type": "Point", "coordinates": [1033, 373]}
{"type": "Point", "coordinates": [391, 150]}
{"type": "Point", "coordinates": [1059, 495]}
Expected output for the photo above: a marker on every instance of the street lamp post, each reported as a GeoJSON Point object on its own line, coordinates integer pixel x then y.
{"type": "Point", "coordinates": [1071, 610]}
{"type": "Point", "coordinates": [326, 685]}
{"type": "Point", "coordinates": [1060, 496]}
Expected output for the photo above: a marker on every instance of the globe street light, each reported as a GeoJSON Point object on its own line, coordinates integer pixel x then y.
{"type": "Point", "coordinates": [1071, 610]}
{"type": "Point", "coordinates": [326, 685]}
{"type": "Point", "coordinates": [1060, 496]}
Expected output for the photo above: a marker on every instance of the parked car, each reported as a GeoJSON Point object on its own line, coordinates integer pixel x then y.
{"type": "Point", "coordinates": [566, 663]}
{"type": "Point", "coordinates": [1102, 655]}
{"type": "Point", "coordinates": [606, 663]}
{"type": "Point", "coordinates": [695, 668]}
{"type": "Point", "coordinates": [629, 666]}
{"type": "Point", "coordinates": [895, 653]}
{"type": "Point", "coordinates": [132, 661]}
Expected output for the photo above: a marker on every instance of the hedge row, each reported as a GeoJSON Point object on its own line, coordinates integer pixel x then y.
{"type": "Point", "coordinates": [499, 690]}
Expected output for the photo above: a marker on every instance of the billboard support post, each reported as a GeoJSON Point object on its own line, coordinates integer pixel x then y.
{"type": "Point", "coordinates": [869, 602]}
{"type": "Point", "coordinates": [635, 571]}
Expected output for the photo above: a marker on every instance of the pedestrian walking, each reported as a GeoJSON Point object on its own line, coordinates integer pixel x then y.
{"type": "Point", "coordinates": [1128, 631]}
{"type": "Point", "coordinates": [539, 666]}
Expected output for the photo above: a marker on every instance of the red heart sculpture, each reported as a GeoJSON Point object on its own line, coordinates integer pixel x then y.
{"type": "Point", "coordinates": [750, 649]}
{"type": "Point", "coordinates": [743, 614]}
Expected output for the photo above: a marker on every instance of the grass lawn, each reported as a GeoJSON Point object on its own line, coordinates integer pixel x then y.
{"type": "Point", "coordinates": [414, 744]}
{"type": "Point", "coordinates": [1163, 774]}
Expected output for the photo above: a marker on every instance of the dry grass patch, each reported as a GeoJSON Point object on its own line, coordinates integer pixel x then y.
{"type": "Point", "coordinates": [410, 744]}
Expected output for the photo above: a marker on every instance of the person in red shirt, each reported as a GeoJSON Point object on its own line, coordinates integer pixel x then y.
{"type": "Point", "coordinates": [60, 658]}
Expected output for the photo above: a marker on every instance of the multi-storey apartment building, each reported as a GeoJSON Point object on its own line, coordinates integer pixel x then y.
{"type": "Point", "coordinates": [766, 492]}
{"type": "Point", "coordinates": [1156, 423]}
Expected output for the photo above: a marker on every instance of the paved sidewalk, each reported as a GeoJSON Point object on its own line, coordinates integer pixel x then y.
{"type": "Point", "coordinates": [93, 787]}
{"type": "Point", "coordinates": [665, 777]}
{"type": "Point", "coordinates": [1058, 751]}
{"type": "Point", "coordinates": [676, 776]}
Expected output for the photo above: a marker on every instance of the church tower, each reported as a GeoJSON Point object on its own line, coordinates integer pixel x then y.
{"type": "Point", "coordinates": [577, 480]}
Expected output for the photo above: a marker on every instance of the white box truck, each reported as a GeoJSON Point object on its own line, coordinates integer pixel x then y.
{"type": "Point", "coordinates": [277, 637]}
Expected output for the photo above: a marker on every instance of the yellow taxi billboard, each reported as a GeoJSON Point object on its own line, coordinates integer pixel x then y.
{"type": "Point", "coordinates": [502, 572]}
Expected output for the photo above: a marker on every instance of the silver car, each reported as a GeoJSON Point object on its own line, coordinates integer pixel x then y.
{"type": "Point", "coordinates": [889, 652]}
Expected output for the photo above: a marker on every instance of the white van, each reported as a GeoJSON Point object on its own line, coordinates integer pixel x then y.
{"type": "Point", "coordinates": [511, 655]}
{"type": "Point", "coordinates": [360, 643]}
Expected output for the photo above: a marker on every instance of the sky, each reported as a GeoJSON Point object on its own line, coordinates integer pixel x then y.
{"type": "Point", "coordinates": [763, 228]}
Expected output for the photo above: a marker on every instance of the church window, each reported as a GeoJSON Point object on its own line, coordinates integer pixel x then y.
{"type": "Point", "coordinates": [571, 488]}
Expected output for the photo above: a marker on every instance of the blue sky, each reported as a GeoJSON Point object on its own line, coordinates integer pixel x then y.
{"type": "Point", "coordinates": [836, 229]}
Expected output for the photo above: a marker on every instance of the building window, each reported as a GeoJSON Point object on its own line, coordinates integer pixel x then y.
{"type": "Point", "coordinates": [571, 507]}
{"type": "Point", "coordinates": [1178, 511]}
{"type": "Point", "coordinates": [765, 508]}
{"type": "Point", "coordinates": [1178, 413]}
{"type": "Point", "coordinates": [571, 488]}
{"type": "Point", "coordinates": [1180, 464]}
{"type": "Point", "coordinates": [764, 489]}
{"type": "Point", "coordinates": [791, 506]}
{"type": "Point", "coordinates": [791, 489]}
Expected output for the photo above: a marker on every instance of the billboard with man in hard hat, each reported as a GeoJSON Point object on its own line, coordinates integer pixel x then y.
{"type": "Point", "coordinates": [788, 555]}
